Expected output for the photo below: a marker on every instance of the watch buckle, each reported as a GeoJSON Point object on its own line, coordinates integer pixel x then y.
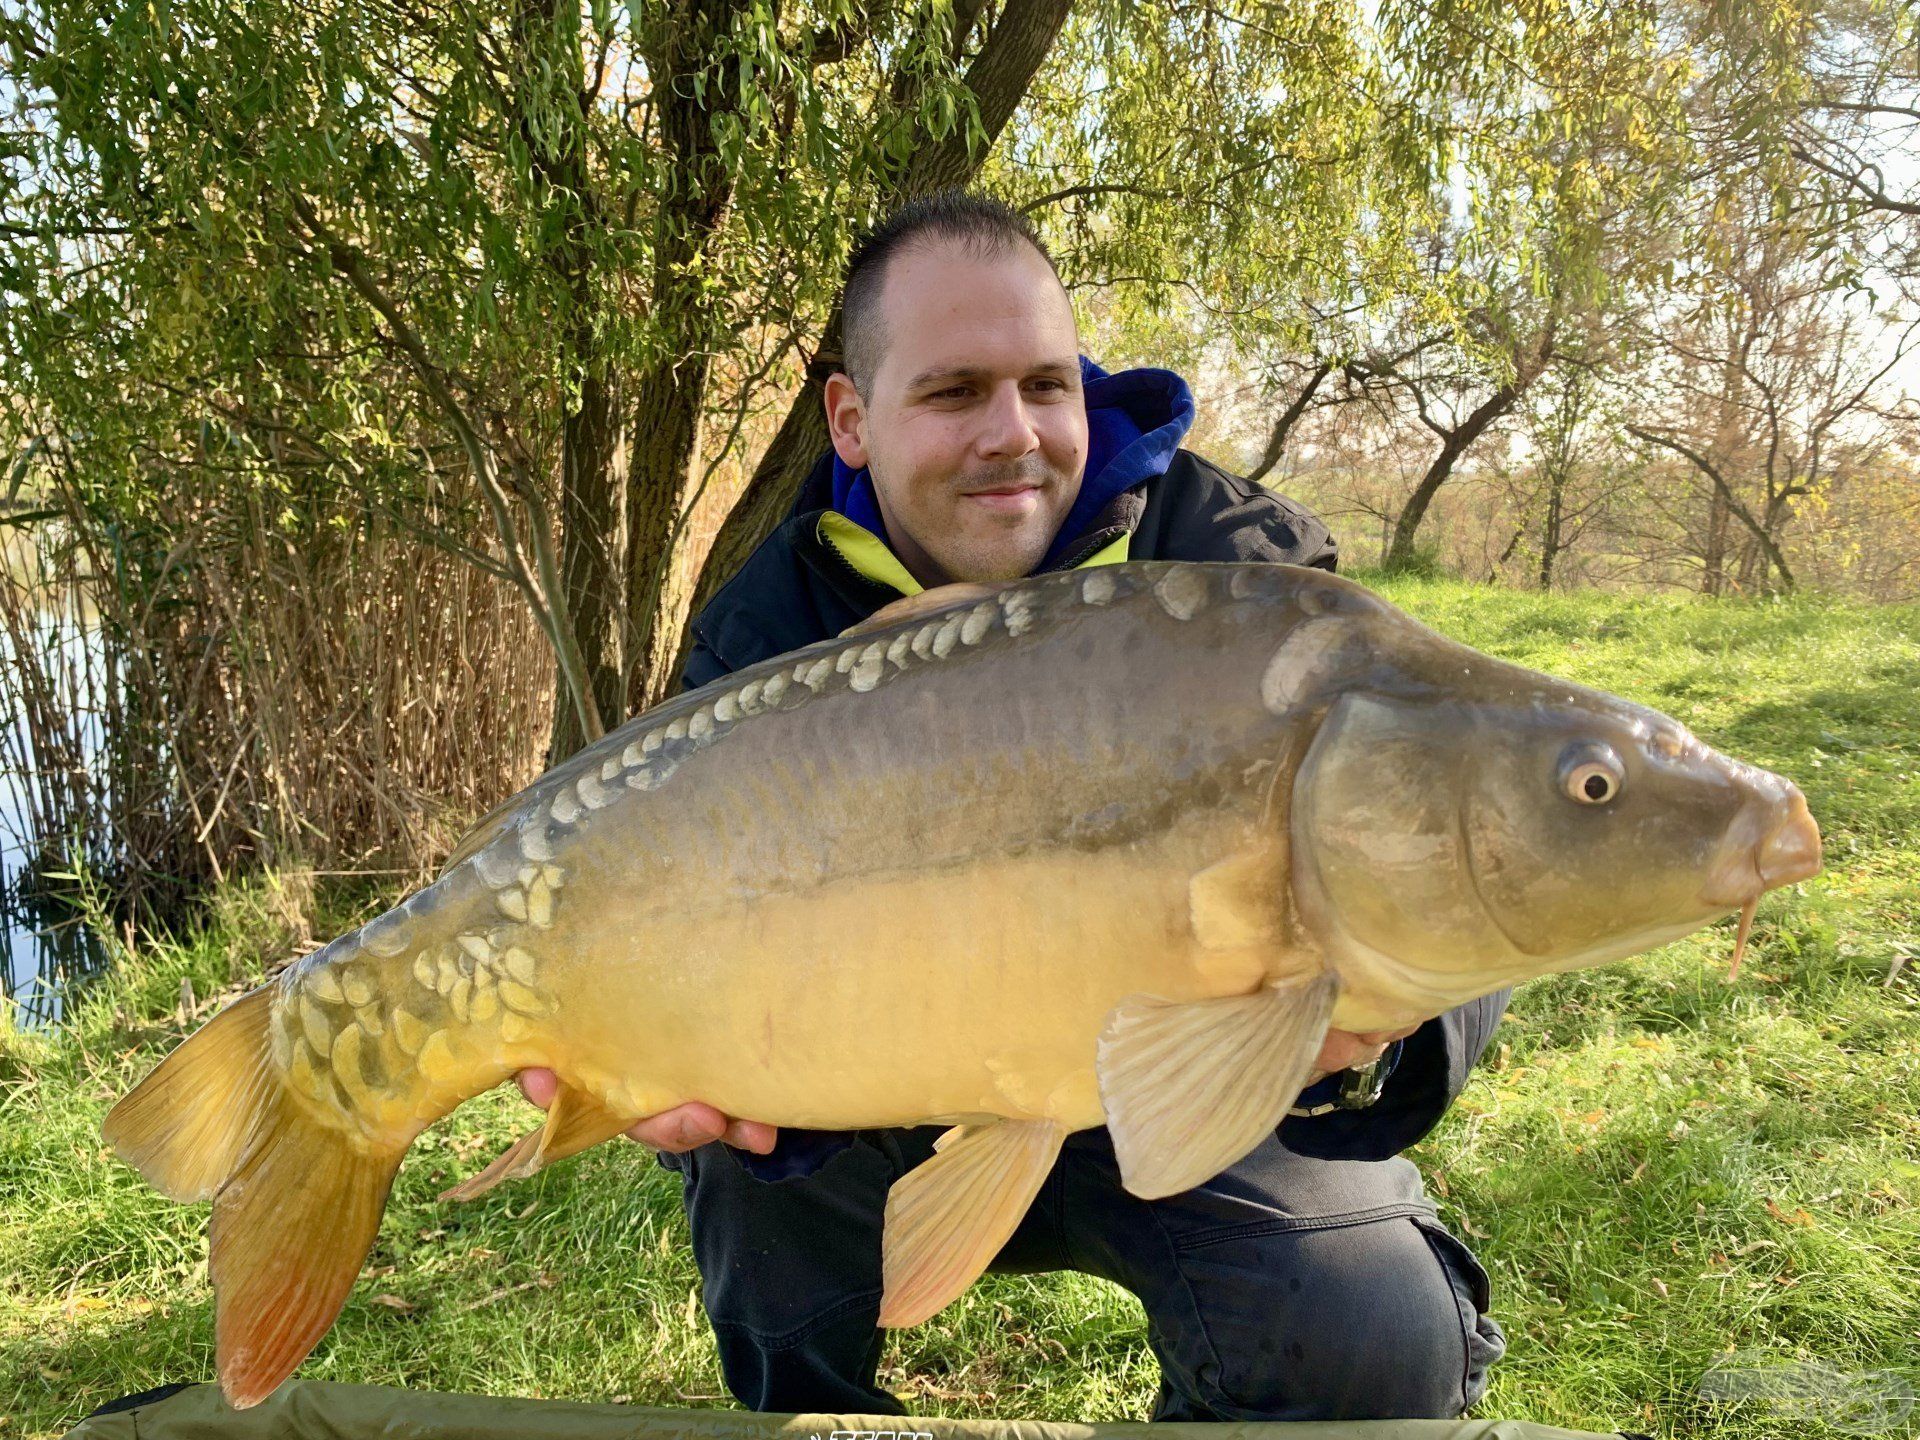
{"type": "Point", "coordinates": [1360, 1087]}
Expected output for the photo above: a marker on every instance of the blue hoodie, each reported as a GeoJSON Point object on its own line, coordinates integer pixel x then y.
{"type": "Point", "coordinates": [1135, 421]}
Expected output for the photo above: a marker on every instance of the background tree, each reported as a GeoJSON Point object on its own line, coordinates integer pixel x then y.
{"type": "Point", "coordinates": [1762, 377]}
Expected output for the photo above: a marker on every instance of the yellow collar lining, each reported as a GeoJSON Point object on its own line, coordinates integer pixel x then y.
{"type": "Point", "coordinates": [868, 554]}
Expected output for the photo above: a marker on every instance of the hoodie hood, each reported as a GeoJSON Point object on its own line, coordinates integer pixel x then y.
{"type": "Point", "coordinates": [1136, 420]}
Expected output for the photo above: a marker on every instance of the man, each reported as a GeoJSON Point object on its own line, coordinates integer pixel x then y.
{"type": "Point", "coordinates": [1311, 1280]}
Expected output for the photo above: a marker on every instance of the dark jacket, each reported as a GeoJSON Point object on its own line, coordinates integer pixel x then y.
{"type": "Point", "coordinates": [827, 568]}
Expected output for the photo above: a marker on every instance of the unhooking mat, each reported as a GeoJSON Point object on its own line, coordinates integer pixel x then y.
{"type": "Point", "coordinates": [321, 1410]}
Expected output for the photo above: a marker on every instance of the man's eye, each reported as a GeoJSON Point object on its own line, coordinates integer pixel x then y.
{"type": "Point", "coordinates": [956, 393]}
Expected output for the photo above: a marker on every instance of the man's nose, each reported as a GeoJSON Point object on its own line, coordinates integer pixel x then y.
{"type": "Point", "coordinates": [1007, 430]}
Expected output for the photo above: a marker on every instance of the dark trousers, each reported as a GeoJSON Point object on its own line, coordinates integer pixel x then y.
{"type": "Point", "coordinates": [1286, 1288]}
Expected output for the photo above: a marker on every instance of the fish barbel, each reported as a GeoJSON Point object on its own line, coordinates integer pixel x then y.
{"type": "Point", "coordinates": [968, 865]}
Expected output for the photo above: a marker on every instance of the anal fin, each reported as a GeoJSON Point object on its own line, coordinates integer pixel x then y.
{"type": "Point", "coordinates": [1190, 1087]}
{"type": "Point", "coordinates": [948, 1218]}
{"type": "Point", "coordinates": [575, 1122]}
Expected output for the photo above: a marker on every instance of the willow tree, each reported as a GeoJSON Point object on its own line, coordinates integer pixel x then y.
{"type": "Point", "coordinates": [517, 239]}
{"type": "Point", "coordinates": [1526, 173]}
{"type": "Point", "coordinates": [552, 253]}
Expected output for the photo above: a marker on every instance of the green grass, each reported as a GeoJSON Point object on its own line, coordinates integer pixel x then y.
{"type": "Point", "coordinates": [1658, 1168]}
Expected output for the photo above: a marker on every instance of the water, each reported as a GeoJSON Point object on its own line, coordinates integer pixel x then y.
{"type": "Point", "coordinates": [44, 949]}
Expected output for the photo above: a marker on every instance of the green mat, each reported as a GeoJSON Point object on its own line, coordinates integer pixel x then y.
{"type": "Point", "coordinates": [314, 1408]}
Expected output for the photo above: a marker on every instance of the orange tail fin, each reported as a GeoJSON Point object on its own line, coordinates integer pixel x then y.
{"type": "Point", "coordinates": [297, 1202]}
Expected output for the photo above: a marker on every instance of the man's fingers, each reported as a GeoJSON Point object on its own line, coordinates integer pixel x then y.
{"type": "Point", "coordinates": [1348, 1050]}
{"type": "Point", "coordinates": [751, 1135]}
{"type": "Point", "coordinates": [538, 1085]}
{"type": "Point", "coordinates": [683, 1128]}
{"type": "Point", "coordinates": [1336, 1051]}
{"type": "Point", "coordinates": [686, 1127]}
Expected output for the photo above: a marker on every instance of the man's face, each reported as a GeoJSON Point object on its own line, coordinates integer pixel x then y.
{"type": "Point", "coordinates": [976, 429]}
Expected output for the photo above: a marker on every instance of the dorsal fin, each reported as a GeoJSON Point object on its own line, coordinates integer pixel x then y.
{"type": "Point", "coordinates": [489, 825]}
{"type": "Point", "coordinates": [928, 602]}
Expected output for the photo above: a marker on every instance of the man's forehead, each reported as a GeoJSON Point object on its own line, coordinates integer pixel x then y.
{"type": "Point", "coordinates": [945, 285]}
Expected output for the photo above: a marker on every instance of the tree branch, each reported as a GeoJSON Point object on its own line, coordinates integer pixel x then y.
{"type": "Point", "coordinates": [549, 606]}
{"type": "Point", "coordinates": [1706, 467]}
{"type": "Point", "coordinates": [1875, 194]}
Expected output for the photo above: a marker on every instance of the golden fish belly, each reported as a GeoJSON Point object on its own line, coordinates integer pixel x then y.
{"type": "Point", "coordinates": [901, 997]}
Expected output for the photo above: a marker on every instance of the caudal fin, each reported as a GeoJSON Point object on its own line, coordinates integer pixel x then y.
{"type": "Point", "coordinates": [186, 1125]}
{"type": "Point", "coordinates": [296, 1202]}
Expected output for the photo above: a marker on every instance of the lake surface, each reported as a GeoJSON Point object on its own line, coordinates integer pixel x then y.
{"type": "Point", "coordinates": [44, 950]}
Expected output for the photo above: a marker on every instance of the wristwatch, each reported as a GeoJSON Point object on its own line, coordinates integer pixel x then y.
{"type": "Point", "coordinates": [1358, 1087]}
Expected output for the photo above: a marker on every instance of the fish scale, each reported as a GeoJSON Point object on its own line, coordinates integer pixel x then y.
{"type": "Point", "coordinates": [1113, 846]}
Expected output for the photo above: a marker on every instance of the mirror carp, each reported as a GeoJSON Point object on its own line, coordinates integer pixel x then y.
{"type": "Point", "coordinates": [1112, 846]}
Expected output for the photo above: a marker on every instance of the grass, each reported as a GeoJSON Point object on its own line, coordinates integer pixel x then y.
{"type": "Point", "coordinates": [1657, 1167]}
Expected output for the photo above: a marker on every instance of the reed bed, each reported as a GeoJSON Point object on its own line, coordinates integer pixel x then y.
{"type": "Point", "coordinates": [246, 685]}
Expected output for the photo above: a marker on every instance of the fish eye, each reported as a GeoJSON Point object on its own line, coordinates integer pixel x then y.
{"type": "Point", "coordinates": [1591, 774]}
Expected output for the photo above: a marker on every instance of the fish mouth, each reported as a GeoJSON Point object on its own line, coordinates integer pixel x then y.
{"type": "Point", "coordinates": [1786, 850]}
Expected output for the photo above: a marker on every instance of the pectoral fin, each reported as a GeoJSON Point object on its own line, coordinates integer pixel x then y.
{"type": "Point", "coordinates": [1191, 1087]}
{"type": "Point", "coordinates": [575, 1122]}
{"type": "Point", "coordinates": [948, 1218]}
{"type": "Point", "coordinates": [1233, 905]}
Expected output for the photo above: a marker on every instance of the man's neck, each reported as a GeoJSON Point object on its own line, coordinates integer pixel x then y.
{"type": "Point", "coordinates": [922, 566]}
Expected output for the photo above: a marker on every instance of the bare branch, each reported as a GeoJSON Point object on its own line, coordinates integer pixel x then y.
{"type": "Point", "coordinates": [549, 604]}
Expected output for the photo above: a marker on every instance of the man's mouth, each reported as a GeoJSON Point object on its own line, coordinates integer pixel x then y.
{"type": "Point", "coordinates": [1006, 499]}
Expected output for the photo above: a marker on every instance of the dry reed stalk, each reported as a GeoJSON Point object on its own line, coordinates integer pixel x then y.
{"type": "Point", "coordinates": [305, 696]}
{"type": "Point", "coordinates": [54, 684]}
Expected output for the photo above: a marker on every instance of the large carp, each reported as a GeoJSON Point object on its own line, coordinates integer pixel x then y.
{"type": "Point", "coordinates": [1112, 846]}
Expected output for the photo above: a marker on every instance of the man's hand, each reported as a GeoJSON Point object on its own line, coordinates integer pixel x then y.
{"type": "Point", "coordinates": [679, 1130]}
{"type": "Point", "coordinates": [1346, 1050]}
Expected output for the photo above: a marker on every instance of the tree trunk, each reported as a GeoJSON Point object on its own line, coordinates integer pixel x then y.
{"type": "Point", "coordinates": [666, 442]}
{"type": "Point", "coordinates": [670, 395]}
{"type": "Point", "coordinates": [593, 479]}
{"type": "Point", "coordinates": [801, 440]}
{"type": "Point", "coordinates": [1713, 576]}
{"type": "Point", "coordinates": [1453, 445]}
{"type": "Point", "coordinates": [1283, 427]}
{"type": "Point", "coordinates": [593, 548]}
{"type": "Point", "coordinates": [1529, 364]}
{"type": "Point", "coordinates": [1556, 514]}
{"type": "Point", "coordinates": [998, 77]}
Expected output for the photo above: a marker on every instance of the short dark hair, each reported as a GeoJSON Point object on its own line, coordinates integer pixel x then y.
{"type": "Point", "coordinates": [986, 226]}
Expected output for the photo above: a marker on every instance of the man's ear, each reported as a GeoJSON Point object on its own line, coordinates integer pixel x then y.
{"type": "Point", "coordinates": [846, 416]}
